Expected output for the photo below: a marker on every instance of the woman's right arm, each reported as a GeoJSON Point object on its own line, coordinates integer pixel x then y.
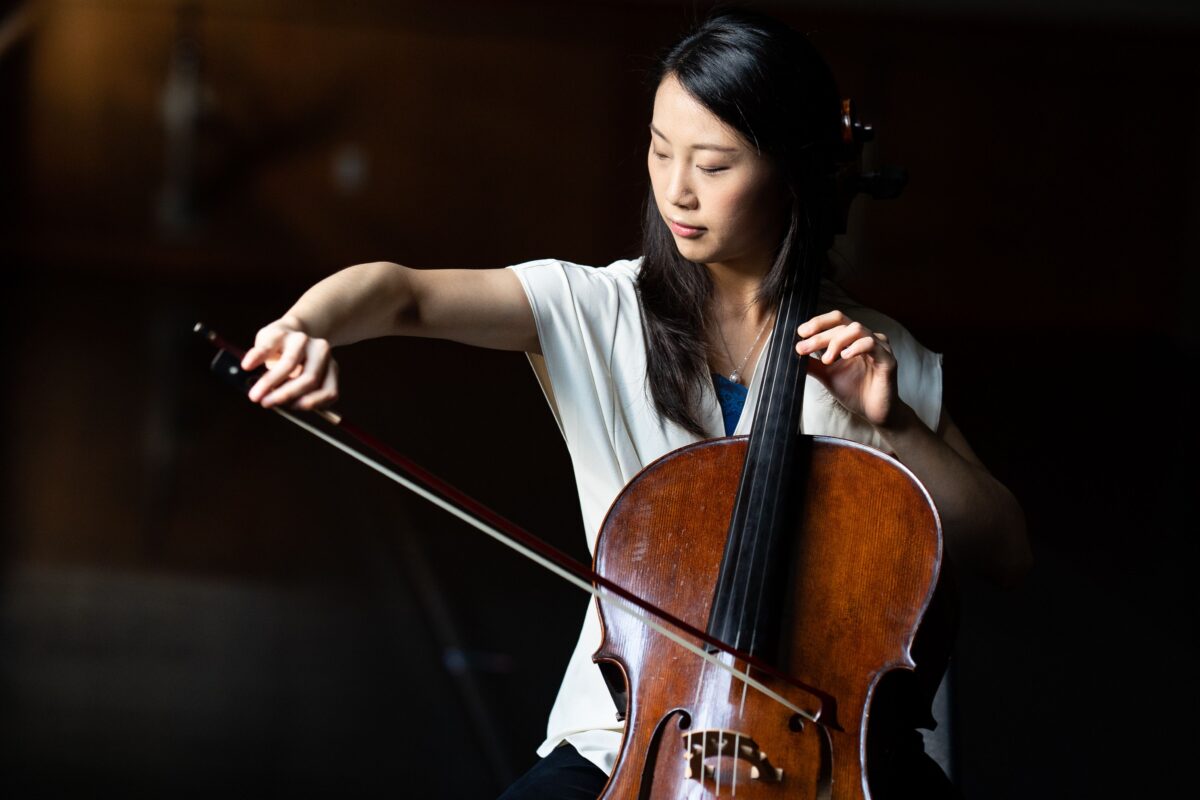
{"type": "Point", "coordinates": [485, 308]}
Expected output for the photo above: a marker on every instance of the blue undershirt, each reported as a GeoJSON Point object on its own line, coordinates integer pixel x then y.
{"type": "Point", "coordinates": [732, 397]}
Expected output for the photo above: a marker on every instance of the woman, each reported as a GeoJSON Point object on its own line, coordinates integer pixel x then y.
{"type": "Point", "coordinates": [643, 357]}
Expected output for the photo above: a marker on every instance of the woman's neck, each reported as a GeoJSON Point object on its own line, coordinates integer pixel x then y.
{"type": "Point", "coordinates": [735, 291]}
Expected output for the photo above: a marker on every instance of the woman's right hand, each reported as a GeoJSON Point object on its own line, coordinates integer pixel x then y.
{"type": "Point", "coordinates": [485, 308]}
{"type": "Point", "coordinates": [300, 368]}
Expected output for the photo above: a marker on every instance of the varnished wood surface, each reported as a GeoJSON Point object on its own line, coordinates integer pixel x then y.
{"type": "Point", "coordinates": [867, 561]}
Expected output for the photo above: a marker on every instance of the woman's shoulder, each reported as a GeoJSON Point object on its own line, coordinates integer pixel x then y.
{"type": "Point", "coordinates": [591, 296]}
{"type": "Point", "coordinates": [552, 280]}
{"type": "Point", "coordinates": [625, 269]}
{"type": "Point", "coordinates": [834, 297]}
{"type": "Point", "coordinates": [919, 369]}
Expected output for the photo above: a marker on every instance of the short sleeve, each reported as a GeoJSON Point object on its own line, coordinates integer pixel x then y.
{"type": "Point", "coordinates": [577, 310]}
{"type": "Point", "coordinates": [918, 369]}
{"type": "Point", "coordinates": [592, 369]}
{"type": "Point", "coordinates": [919, 378]}
{"type": "Point", "coordinates": [918, 373]}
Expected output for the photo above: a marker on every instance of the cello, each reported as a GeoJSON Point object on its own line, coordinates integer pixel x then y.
{"type": "Point", "coordinates": [817, 555]}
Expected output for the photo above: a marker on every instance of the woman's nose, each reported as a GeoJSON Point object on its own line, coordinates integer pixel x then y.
{"type": "Point", "coordinates": [679, 190]}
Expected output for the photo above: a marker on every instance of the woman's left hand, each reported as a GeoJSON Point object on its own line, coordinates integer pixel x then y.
{"type": "Point", "coordinates": [857, 365]}
{"type": "Point", "coordinates": [982, 521]}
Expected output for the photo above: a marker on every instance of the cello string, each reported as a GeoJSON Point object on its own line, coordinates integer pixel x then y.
{"type": "Point", "coordinates": [717, 771]}
{"type": "Point", "coordinates": [768, 378]}
{"type": "Point", "coordinates": [737, 747]}
{"type": "Point", "coordinates": [696, 725]}
{"type": "Point", "coordinates": [787, 399]}
{"type": "Point", "coordinates": [537, 558]}
{"type": "Point", "coordinates": [794, 370]}
{"type": "Point", "coordinates": [767, 384]}
{"type": "Point", "coordinates": [763, 474]}
{"type": "Point", "coordinates": [778, 366]}
{"type": "Point", "coordinates": [741, 511]}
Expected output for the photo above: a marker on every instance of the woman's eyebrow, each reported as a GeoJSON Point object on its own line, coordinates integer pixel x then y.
{"type": "Point", "coordinates": [717, 147]}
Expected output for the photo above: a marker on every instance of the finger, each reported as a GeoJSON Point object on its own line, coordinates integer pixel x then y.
{"type": "Point", "coordinates": [271, 361]}
{"type": "Point", "coordinates": [884, 344]}
{"type": "Point", "coordinates": [875, 348]}
{"type": "Point", "coordinates": [815, 343]}
{"type": "Point", "coordinates": [843, 337]}
{"type": "Point", "coordinates": [822, 322]}
{"type": "Point", "coordinates": [289, 357]}
{"type": "Point", "coordinates": [818, 370]}
{"type": "Point", "coordinates": [253, 357]}
{"type": "Point", "coordinates": [303, 380]}
{"type": "Point", "coordinates": [866, 346]}
{"type": "Point", "coordinates": [266, 342]}
{"type": "Point", "coordinates": [327, 395]}
{"type": "Point", "coordinates": [291, 391]}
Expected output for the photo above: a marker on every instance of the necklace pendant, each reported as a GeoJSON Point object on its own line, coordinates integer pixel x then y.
{"type": "Point", "coordinates": [733, 376]}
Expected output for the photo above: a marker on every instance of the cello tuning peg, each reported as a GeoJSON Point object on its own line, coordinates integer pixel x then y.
{"type": "Point", "coordinates": [854, 131]}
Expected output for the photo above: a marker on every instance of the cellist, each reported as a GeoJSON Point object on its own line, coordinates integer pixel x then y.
{"type": "Point", "coordinates": [644, 356]}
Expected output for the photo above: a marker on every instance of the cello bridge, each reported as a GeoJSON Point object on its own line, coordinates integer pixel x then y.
{"type": "Point", "coordinates": [713, 745]}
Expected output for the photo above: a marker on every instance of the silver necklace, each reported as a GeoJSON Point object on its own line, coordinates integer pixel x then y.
{"type": "Point", "coordinates": [737, 372]}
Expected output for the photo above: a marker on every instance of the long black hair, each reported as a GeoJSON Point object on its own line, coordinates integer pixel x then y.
{"type": "Point", "coordinates": [767, 82]}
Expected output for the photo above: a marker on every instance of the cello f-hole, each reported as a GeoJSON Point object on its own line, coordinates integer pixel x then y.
{"type": "Point", "coordinates": [651, 763]}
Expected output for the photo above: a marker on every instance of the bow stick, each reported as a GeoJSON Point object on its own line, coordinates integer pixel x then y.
{"type": "Point", "coordinates": [323, 423]}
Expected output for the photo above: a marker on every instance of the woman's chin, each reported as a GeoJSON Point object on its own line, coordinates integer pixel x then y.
{"type": "Point", "coordinates": [693, 251]}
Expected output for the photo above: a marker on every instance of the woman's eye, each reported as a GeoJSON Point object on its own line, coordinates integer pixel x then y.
{"type": "Point", "coordinates": [712, 170]}
{"type": "Point", "coordinates": [660, 156]}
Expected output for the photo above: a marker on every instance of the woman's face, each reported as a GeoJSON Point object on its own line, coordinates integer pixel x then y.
{"type": "Point", "coordinates": [719, 198]}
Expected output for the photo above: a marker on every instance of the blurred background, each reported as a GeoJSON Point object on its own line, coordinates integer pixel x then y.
{"type": "Point", "coordinates": [195, 596]}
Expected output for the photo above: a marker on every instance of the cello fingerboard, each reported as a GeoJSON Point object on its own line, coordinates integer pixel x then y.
{"type": "Point", "coordinates": [748, 601]}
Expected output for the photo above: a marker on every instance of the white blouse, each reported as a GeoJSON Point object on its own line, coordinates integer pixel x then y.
{"type": "Point", "coordinates": [593, 372]}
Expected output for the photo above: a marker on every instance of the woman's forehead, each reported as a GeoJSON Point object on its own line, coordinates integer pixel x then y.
{"type": "Point", "coordinates": [683, 121]}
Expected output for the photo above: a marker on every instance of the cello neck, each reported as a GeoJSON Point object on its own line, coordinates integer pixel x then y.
{"type": "Point", "coordinates": [746, 603]}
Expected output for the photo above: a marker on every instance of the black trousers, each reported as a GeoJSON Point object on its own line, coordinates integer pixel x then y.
{"type": "Point", "coordinates": [902, 772]}
{"type": "Point", "coordinates": [562, 775]}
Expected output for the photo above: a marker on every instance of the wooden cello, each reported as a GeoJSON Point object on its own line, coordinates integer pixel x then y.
{"type": "Point", "coordinates": [817, 555]}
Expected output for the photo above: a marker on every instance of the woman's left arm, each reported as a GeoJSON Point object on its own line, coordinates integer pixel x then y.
{"type": "Point", "coordinates": [982, 522]}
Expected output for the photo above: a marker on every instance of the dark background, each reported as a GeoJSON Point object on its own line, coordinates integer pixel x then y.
{"type": "Point", "coordinates": [195, 596]}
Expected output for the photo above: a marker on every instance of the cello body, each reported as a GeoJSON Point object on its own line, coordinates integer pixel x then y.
{"type": "Point", "coordinates": [863, 569]}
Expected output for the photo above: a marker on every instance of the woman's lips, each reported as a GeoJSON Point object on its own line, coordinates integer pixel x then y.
{"type": "Point", "coordinates": [685, 231]}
